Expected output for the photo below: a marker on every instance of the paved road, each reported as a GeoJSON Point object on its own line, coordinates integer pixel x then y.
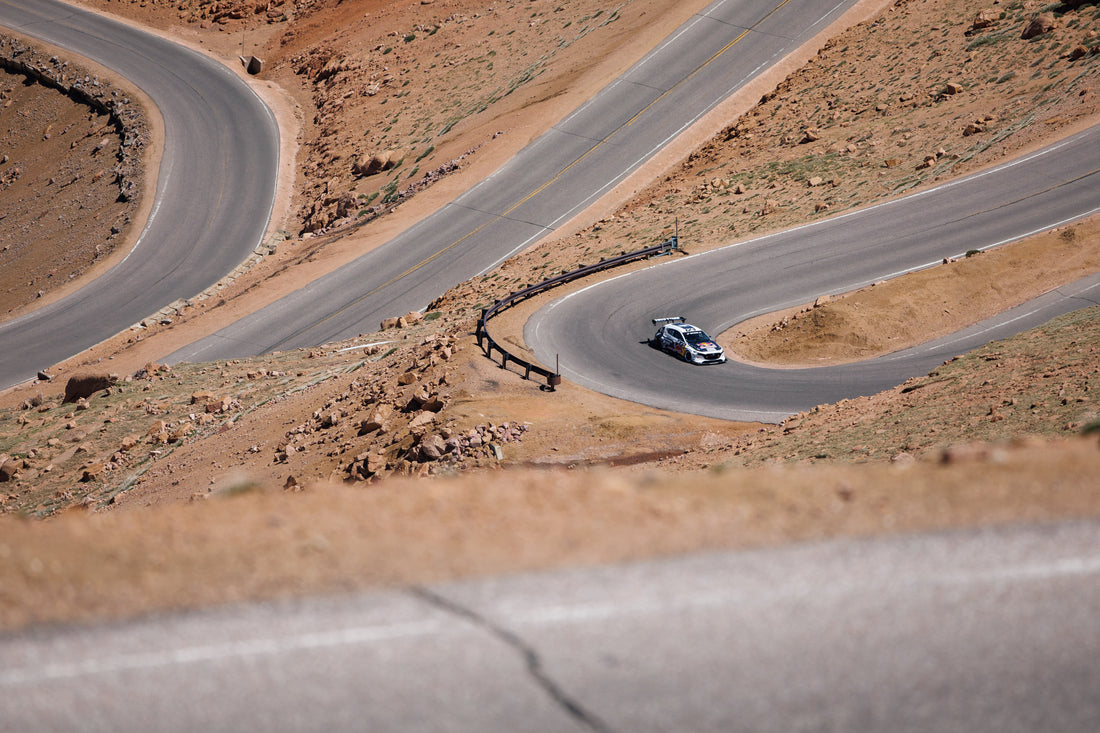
{"type": "Point", "coordinates": [556, 176]}
{"type": "Point", "coordinates": [215, 188]}
{"type": "Point", "coordinates": [979, 631]}
{"type": "Point", "coordinates": [600, 332]}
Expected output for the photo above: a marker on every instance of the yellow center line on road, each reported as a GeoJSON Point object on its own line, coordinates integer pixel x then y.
{"type": "Point", "coordinates": [556, 176]}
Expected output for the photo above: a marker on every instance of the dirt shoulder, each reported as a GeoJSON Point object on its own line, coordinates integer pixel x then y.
{"type": "Point", "coordinates": [919, 307]}
{"type": "Point", "coordinates": [329, 539]}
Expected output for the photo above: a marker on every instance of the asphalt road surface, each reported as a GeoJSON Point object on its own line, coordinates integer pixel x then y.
{"type": "Point", "coordinates": [215, 187]}
{"type": "Point", "coordinates": [980, 631]}
{"type": "Point", "coordinates": [601, 331]}
{"type": "Point", "coordinates": [556, 176]}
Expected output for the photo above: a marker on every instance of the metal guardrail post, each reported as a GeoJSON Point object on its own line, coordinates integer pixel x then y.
{"type": "Point", "coordinates": [553, 379]}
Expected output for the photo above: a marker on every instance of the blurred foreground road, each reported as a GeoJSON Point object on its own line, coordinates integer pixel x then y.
{"type": "Point", "coordinates": [991, 630]}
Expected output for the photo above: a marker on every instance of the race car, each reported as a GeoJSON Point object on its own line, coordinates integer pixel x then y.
{"type": "Point", "coordinates": [686, 341]}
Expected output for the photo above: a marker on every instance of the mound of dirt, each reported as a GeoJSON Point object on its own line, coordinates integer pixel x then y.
{"type": "Point", "coordinates": [922, 306]}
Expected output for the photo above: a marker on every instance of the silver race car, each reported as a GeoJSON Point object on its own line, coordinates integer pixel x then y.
{"type": "Point", "coordinates": [686, 341]}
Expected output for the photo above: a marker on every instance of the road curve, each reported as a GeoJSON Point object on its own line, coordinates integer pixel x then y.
{"type": "Point", "coordinates": [984, 631]}
{"type": "Point", "coordinates": [600, 331]}
{"type": "Point", "coordinates": [215, 187]}
{"type": "Point", "coordinates": [559, 174]}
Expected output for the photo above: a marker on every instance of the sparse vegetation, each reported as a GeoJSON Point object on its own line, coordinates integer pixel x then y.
{"type": "Point", "coordinates": [891, 106]}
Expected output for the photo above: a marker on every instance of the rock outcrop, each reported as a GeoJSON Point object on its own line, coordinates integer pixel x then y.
{"type": "Point", "coordinates": [124, 114]}
{"type": "Point", "coordinates": [83, 386]}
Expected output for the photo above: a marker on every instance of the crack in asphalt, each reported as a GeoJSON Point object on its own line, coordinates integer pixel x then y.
{"type": "Point", "coordinates": [530, 657]}
{"type": "Point", "coordinates": [1081, 296]}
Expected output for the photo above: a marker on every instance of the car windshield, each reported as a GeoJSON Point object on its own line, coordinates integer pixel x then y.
{"type": "Point", "coordinates": [697, 337]}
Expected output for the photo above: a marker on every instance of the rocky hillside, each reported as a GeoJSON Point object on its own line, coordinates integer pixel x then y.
{"type": "Point", "coordinates": [71, 171]}
{"type": "Point", "coordinates": [399, 99]}
{"type": "Point", "coordinates": [400, 95]}
{"type": "Point", "coordinates": [831, 136]}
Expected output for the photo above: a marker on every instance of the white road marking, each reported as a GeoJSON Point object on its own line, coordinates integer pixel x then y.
{"type": "Point", "coordinates": [262, 647]}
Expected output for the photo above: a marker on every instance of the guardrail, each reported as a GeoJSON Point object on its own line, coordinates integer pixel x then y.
{"type": "Point", "coordinates": [553, 378]}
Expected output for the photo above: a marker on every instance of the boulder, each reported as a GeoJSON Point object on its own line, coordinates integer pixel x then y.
{"type": "Point", "coordinates": [86, 385]}
{"type": "Point", "coordinates": [984, 19]}
{"type": "Point", "coordinates": [903, 459]}
{"type": "Point", "coordinates": [1040, 24]}
{"type": "Point", "coordinates": [177, 435]}
{"type": "Point", "coordinates": [370, 425]}
{"type": "Point", "coordinates": [217, 405]}
{"type": "Point", "coordinates": [433, 404]}
{"type": "Point", "coordinates": [377, 162]}
{"type": "Point", "coordinates": [432, 448]}
{"type": "Point", "coordinates": [368, 165]}
{"type": "Point", "coordinates": [9, 467]}
{"type": "Point", "coordinates": [92, 471]}
{"type": "Point", "coordinates": [422, 418]}
{"type": "Point", "coordinates": [374, 463]}
{"type": "Point", "coordinates": [419, 397]}
{"type": "Point", "coordinates": [202, 398]}
{"type": "Point", "coordinates": [377, 419]}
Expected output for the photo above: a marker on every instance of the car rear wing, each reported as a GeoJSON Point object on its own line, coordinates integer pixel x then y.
{"type": "Point", "coordinates": [668, 319]}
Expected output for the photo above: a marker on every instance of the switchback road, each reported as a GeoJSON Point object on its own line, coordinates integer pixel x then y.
{"type": "Point", "coordinates": [558, 175]}
{"type": "Point", "coordinates": [600, 332]}
{"type": "Point", "coordinates": [215, 185]}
